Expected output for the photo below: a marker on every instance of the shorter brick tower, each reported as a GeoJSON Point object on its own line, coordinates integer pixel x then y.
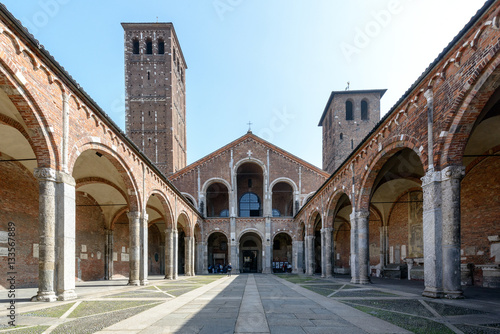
{"type": "Point", "coordinates": [155, 99]}
{"type": "Point", "coordinates": [348, 117]}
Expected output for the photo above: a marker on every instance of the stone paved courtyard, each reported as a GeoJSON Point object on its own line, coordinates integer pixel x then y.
{"type": "Point", "coordinates": [257, 304]}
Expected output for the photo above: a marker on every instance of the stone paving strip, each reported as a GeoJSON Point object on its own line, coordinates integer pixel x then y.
{"type": "Point", "coordinates": [408, 310]}
{"type": "Point", "coordinates": [93, 312]}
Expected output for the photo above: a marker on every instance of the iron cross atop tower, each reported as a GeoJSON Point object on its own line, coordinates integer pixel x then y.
{"type": "Point", "coordinates": [155, 99]}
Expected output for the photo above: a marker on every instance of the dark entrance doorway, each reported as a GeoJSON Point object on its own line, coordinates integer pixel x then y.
{"type": "Point", "coordinates": [250, 253]}
{"type": "Point", "coordinates": [249, 261]}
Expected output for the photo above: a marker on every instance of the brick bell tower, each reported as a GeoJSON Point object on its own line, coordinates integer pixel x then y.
{"type": "Point", "coordinates": [347, 119]}
{"type": "Point", "coordinates": [155, 93]}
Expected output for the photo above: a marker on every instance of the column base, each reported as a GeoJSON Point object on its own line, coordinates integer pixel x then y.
{"type": "Point", "coordinates": [169, 277]}
{"type": "Point", "coordinates": [454, 294]}
{"type": "Point", "coordinates": [432, 293]}
{"type": "Point", "coordinates": [144, 282]}
{"type": "Point", "coordinates": [67, 295]}
{"type": "Point", "coordinates": [365, 281]}
{"type": "Point", "coordinates": [44, 297]}
{"type": "Point", "coordinates": [354, 280]}
{"type": "Point", "coordinates": [266, 271]}
{"type": "Point", "coordinates": [134, 282]}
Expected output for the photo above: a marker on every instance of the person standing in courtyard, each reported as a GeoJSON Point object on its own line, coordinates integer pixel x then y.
{"type": "Point", "coordinates": [229, 268]}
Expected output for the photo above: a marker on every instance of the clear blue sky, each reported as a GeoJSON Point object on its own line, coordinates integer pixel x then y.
{"type": "Point", "coordinates": [273, 63]}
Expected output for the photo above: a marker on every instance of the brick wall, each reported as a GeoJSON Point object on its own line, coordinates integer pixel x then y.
{"type": "Point", "coordinates": [20, 207]}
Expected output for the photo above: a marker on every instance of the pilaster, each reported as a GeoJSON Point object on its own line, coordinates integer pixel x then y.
{"type": "Point", "coordinates": [65, 231]}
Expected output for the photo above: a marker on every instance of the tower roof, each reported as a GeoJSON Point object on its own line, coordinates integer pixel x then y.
{"type": "Point", "coordinates": [347, 92]}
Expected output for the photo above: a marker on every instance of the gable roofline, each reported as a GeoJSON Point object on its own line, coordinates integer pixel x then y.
{"type": "Point", "coordinates": [346, 92]}
{"type": "Point", "coordinates": [248, 135]}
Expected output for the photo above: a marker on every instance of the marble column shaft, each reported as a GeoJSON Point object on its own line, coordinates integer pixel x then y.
{"type": "Point", "coordinates": [135, 247]}
{"type": "Point", "coordinates": [46, 230]}
{"type": "Point", "coordinates": [328, 251]}
{"type": "Point", "coordinates": [169, 254]}
{"type": "Point", "coordinates": [144, 250]}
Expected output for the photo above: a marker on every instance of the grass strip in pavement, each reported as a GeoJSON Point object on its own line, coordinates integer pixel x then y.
{"type": "Point", "coordinates": [297, 279]}
{"type": "Point", "coordinates": [321, 290]}
{"type": "Point", "coordinates": [87, 308]}
{"type": "Point", "coordinates": [95, 323]}
{"type": "Point", "coordinates": [412, 323]}
{"type": "Point", "coordinates": [362, 293]}
{"type": "Point", "coordinates": [409, 306]}
{"type": "Point", "coordinates": [29, 330]}
{"type": "Point", "coordinates": [476, 329]}
{"type": "Point", "coordinates": [447, 310]}
{"type": "Point", "coordinates": [50, 312]}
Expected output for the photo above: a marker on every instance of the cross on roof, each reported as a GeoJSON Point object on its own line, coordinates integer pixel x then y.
{"type": "Point", "coordinates": [249, 126]}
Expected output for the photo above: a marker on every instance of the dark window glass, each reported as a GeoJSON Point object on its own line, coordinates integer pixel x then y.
{"type": "Point", "coordinates": [224, 213]}
{"type": "Point", "coordinates": [276, 213]}
{"type": "Point", "coordinates": [364, 110]}
{"type": "Point", "coordinates": [149, 47]}
{"type": "Point", "coordinates": [161, 47]}
{"type": "Point", "coordinates": [135, 47]}
{"type": "Point", "coordinates": [250, 205]}
{"type": "Point", "coordinates": [349, 116]}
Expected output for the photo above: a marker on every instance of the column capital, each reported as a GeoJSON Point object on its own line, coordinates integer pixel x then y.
{"type": "Point", "coordinates": [45, 174]}
{"type": "Point", "coordinates": [133, 215]}
{"type": "Point", "coordinates": [359, 214]}
{"type": "Point", "coordinates": [62, 177]}
{"type": "Point", "coordinates": [430, 177]}
{"type": "Point", "coordinates": [453, 172]}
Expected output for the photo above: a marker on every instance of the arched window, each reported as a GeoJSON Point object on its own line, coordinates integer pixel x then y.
{"type": "Point", "coordinates": [250, 205]}
{"type": "Point", "coordinates": [161, 47]}
{"type": "Point", "coordinates": [276, 213]}
{"type": "Point", "coordinates": [149, 46]}
{"type": "Point", "coordinates": [349, 115]}
{"type": "Point", "coordinates": [364, 110]}
{"type": "Point", "coordinates": [135, 46]}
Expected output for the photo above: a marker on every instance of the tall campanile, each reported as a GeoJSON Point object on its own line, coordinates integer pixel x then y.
{"type": "Point", "coordinates": [155, 93]}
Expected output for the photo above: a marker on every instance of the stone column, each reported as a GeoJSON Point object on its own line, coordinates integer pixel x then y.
{"type": "Point", "coordinates": [46, 230]}
{"type": "Point", "coordinates": [109, 255]}
{"type": "Point", "coordinates": [144, 250]}
{"type": "Point", "coordinates": [363, 247]}
{"type": "Point", "coordinates": [298, 256]}
{"type": "Point", "coordinates": [201, 258]}
{"type": "Point", "coordinates": [310, 254]}
{"type": "Point", "coordinates": [169, 254]}
{"type": "Point", "coordinates": [450, 187]}
{"type": "Point", "coordinates": [188, 256]}
{"type": "Point", "coordinates": [175, 253]}
{"type": "Point", "coordinates": [135, 247]}
{"type": "Point", "coordinates": [65, 242]}
{"type": "Point", "coordinates": [354, 249]}
{"type": "Point", "coordinates": [432, 230]}
{"type": "Point", "coordinates": [328, 251]}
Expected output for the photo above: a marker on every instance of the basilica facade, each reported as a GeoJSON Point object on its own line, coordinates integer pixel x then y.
{"type": "Point", "coordinates": [414, 195]}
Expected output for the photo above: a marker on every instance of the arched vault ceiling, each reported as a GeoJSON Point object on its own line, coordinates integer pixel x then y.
{"type": "Point", "coordinates": [154, 201]}
{"type": "Point", "coordinates": [89, 164]}
{"type": "Point", "coordinates": [13, 144]}
{"type": "Point", "coordinates": [345, 213]}
{"type": "Point", "coordinates": [485, 136]}
{"type": "Point", "coordinates": [9, 109]}
{"type": "Point", "coordinates": [106, 196]}
{"type": "Point", "coordinates": [152, 213]}
{"type": "Point", "coordinates": [385, 196]}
